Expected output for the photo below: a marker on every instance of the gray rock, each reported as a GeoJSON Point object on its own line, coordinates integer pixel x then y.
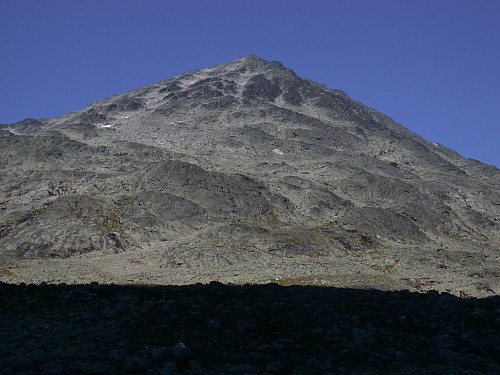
{"type": "Point", "coordinates": [400, 354]}
{"type": "Point", "coordinates": [136, 364]}
{"type": "Point", "coordinates": [241, 369]}
{"type": "Point", "coordinates": [51, 368]}
{"type": "Point", "coordinates": [94, 368]}
{"type": "Point", "coordinates": [169, 307]}
{"type": "Point", "coordinates": [313, 362]}
{"type": "Point", "coordinates": [492, 368]}
{"type": "Point", "coordinates": [161, 354]}
{"type": "Point", "coordinates": [274, 368]}
{"type": "Point", "coordinates": [443, 341]}
{"type": "Point", "coordinates": [456, 359]}
{"type": "Point", "coordinates": [169, 368]}
{"type": "Point", "coordinates": [194, 364]}
{"type": "Point", "coordinates": [181, 353]}
{"type": "Point", "coordinates": [379, 359]}
{"type": "Point", "coordinates": [213, 323]}
{"type": "Point", "coordinates": [316, 331]}
{"type": "Point", "coordinates": [23, 364]}
{"type": "Point", "coordinates": [278, 347]}
{"type": "Point", "coordinates": [362, 336]}
{"type": "Point", "coordinates": [244, 326]}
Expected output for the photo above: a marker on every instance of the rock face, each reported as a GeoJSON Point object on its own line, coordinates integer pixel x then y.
{"type": "Point", "coordinates": [298, 168]}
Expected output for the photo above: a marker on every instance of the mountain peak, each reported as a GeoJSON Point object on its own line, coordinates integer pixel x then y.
{"type": "Point", "coordinates": [251, 57]}
{"type": "Point", "coordinates": [255, 62]}
{"type": "Point", "coordinates": [268, 163]}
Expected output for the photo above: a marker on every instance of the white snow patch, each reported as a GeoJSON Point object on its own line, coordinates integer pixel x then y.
{"type": "Point", "coordinates": [278, 151]}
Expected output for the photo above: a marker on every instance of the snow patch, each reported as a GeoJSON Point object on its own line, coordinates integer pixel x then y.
{"type": "Point", "coordinates": [278, 152]}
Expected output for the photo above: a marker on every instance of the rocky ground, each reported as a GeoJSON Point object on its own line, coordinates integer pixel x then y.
{"type": "Point", "coordinates": [191, 259]}
{"type": "Point", "coordinates": [250, 329]}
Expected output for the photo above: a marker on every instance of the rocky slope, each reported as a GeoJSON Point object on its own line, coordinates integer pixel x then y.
{"type": "Point", "coordinates": [243, 172]}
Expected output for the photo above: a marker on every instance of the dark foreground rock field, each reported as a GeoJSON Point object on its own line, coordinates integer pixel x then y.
{"type": "Point", "coordinates": [248, 329]}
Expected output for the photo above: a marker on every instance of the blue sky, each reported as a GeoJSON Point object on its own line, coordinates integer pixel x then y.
{"type": "Point", "coordinates": [433, 66]}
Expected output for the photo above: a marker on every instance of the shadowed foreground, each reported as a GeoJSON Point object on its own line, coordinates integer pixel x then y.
{"type": "Point", "coordinates": [250, 329]}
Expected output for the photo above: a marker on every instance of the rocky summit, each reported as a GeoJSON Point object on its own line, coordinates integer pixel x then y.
{"type": "Point", "coordinates": [243, 172]}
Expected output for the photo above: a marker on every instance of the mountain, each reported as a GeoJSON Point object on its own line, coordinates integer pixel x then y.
{"type": "Point", "coordinates": [243, 172]}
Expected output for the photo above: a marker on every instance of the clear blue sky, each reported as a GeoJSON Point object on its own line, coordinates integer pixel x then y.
{"type": "Point", "coordinates": [432, 65]}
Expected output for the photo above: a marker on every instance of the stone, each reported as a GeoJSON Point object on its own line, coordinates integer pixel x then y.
{"type": "Point", "coordinates": [136, 364]}
{"type": "Point", "coordinates": [169, 307]}
{"type": "Point", "coordinates": [492, 368]}
{"type": "Point", "coordinates": [168, 368]}
{"type": "Point", "coordinates": [94, 368]}
{"type": "Point", "coordinates": [400, 354]}
{"type": "Point", "coordinates": [23, 364]}
{"type": "Point", "coordinates": [316, 331]}
{"type": "Point", "coordinates": [181, 353]}
{"type": "Point", "coordinates": [161, 354]}
{"type": "Point", "coordinates": [51, 368]}
{"type": "Point", "coordinates": [241, 369]}
{"type": "Point", "coordinates": [244, 326]}
{"type": "Point", "coordinates": [443, 341]}
{"type": "Point", "coordinates": [379, 359]}
{"type": "Point", "coordinates": [213, 323]}
{"type": "Point", "coordinates": [362, 336]}
{"type": "Point", "coordinates": [453, 358]}
{"type": "Point", "coordinates": [274, 368]}
{"type": "Point", "coordinates": [278, 347]}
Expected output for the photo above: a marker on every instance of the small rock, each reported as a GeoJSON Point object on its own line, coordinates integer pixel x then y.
{"type": "Point", "coordinates": [274, 368]}
{"type": "Point", "coordinates": [169, 307]}
{"type": "Point", "coordinates": [116, 354]}
{"type": "Point", "coordinates": [278, 348]}
{"type": "Point", "coordinates": [390, 262]}
{"type": "Point", "coordinates": [241, 369]}
{"type": "Point", "coordinates": [492, 368]}
{"type": "Point", "coordinates": [316, 331]}
{"type": "Point", "coordinates": [168, 368]}
{"type": "Point", "coordinates": [263, 348]}
{"type": "Point", "coordinates": [135, 363]}
{"type": "Point", "coordinates": [94, 368]}
{"type": "Point", "coordinates": [23, 364]}
{"type": "Point", "coordinates": [443, 341]}
{"type": "Point", "coordinates": [51, 368]}
{"type": "Point", "coordinates": [181, 353]}
{"type": "Point", "coordinates": [400, 354]}
{"type": "Point", "coordinates": [245, 326]}
{"type": "Point", "coordinates": [362, 336]}
{"type": "Point", "coordinates": [370, 327]}
{"type": "Point", "coordinates": [378, 359]}
{"type": "Point", "coordinates": [313, 362]}
{"type": "Point", "coordinates": [456, 359]}
{"type": "Point", "coordinates": [161, 354]}
{"type": "Point", "coordinates": [213, 323]}
{"type": "Point", "coordinates": [194, 364]}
